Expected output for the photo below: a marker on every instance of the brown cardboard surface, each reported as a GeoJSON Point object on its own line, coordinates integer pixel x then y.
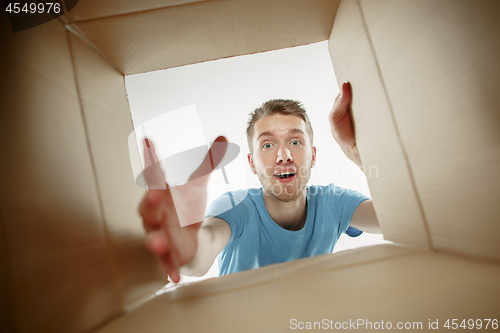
{"type": "Point", "coordinates": [439, 63]}
{"type": "Point", "coordinates": [425, 78]}
{"type": "Point", "coordinates": [412, 286]}
{"type": "Point", "coordinates": [58, 269]}
{"type": "Point", "coordinates": [108, 124]}
{"type": "Point", "coordinates": [208, 30]}
{"type": "Point", "coordinates": [7, 316]}
{"type": "Point", "coordinates": [386, 166]}
{"type": "Point", "coordinates": [302, 267]}
{"type": "Point", "coordinates": [91, 9]}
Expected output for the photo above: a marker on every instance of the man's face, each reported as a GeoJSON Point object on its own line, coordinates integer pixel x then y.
{"type": "Point", "coordinates": [282, 156]}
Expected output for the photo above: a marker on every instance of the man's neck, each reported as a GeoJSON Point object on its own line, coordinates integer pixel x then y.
{"type": "Point", "coordinates": [290, 215]}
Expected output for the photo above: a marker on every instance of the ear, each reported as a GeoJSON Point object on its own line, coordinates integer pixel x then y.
{"type": "Point", "coordinates": [313, 162]}
{"type": "Point", "coordinates": [250, 162]}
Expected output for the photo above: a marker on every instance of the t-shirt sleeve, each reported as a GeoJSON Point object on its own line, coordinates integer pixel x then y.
{"type": "Point", "coordinates": [230, 207]}
{"type": "Point", "coordinates": [344, 202]}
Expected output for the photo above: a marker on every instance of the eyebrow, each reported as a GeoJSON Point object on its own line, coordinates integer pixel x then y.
{"type": "Point", "coordinates": [292, 131]}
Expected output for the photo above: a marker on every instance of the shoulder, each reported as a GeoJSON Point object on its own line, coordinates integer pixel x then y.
{"type": "Point", "coordinates": [331, 190]}
{"type": "Point", "coordinates": [236, 208]}
{"type": "Point", "coordinates": [234, 202]}
{"type": "Point", "coordinates": [322, 191]}
{"type": "Point", "coordinates": [333, 195]}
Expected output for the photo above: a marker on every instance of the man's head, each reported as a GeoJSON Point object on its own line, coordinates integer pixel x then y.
{"type": "Point", "coordinates": [280, 140]}
{"type": "Point", "coordinates": [277, 106]}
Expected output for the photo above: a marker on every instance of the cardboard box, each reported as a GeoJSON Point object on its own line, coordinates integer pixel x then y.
{"type": "Point", "coordinates": [425, 77]}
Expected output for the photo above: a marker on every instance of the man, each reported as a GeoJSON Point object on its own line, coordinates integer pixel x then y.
{"type": "Point", "coordinates": [285, 220]}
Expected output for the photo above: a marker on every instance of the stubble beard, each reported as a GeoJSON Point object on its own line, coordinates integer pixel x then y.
{"type": "Point", "coordinates": [284, 194]}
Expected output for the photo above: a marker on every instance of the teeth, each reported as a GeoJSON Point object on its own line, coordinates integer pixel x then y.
{"type": "Point", "coordinates": [285, 174]}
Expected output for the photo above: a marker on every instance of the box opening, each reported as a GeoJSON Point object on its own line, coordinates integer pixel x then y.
{"type": "Point", "coordinates": [225, 91]}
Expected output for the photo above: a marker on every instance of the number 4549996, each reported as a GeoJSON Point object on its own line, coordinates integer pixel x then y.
{"type": "Point", "coordinates": [471, 324]}
{"type": "Point", "coordinates": [32, 8]}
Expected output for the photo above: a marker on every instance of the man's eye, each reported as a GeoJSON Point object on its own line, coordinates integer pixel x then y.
{"type": "Point", "coordinates": [267, 145]}
{"type": "Point", "coordinates": [295, 142]}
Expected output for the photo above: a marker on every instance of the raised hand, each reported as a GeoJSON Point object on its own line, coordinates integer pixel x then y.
{"type": "Point", "coordinates": [341, 124]}
{"type": "Point", "coordinates": [174, 244]}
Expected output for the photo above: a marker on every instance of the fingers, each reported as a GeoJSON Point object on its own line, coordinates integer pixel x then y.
{"type": "Point", "coordinates": [212, 159]}
{"type": "Point", "coordinates": [345, 96]}
{"type": "Point", "coordinates": [171, 268]}
{"type": "Point", "coordinates": [153, 173]}
{"type": "Point", "coordinates": [341, 106]}
{"type": "Point", "coordinates": [218, 150]}
{"type": "Point", "coordinates": [149, 153]}
{"type": "Point", "coordinates": [157, 243]}
{"type": "Point", "coordinates": [151, 209]}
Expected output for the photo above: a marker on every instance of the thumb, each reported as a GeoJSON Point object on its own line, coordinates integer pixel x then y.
{"type": "Point", "coordinates": [152, 170]}
{"type": "Point", "coordinates": [212, 159]}
{"type": "Point", "coordinates": [345, 95]}
{"type": "Point", "coordinates": [341, 106]}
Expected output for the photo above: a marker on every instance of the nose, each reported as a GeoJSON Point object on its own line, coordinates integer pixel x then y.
{"type": "Point", "coordinates": [284, 154]}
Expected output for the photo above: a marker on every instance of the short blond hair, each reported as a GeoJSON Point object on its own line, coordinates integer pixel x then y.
{"type": "Point", "coordinates": [285, 107]}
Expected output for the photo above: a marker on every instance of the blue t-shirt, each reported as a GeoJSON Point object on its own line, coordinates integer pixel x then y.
{"type": "Point", "coordinates": [256, 240]}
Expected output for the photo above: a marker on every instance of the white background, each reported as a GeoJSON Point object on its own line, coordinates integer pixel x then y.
{"type": "Point", "coordinates": [225, 91]}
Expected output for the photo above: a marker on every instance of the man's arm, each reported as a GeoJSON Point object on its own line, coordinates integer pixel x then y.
{"type": "Point", "coordinates": [196, 245]}
{"type": "Point", "coordinates": [364, 217]}
{"type": "Point", "coordinates": [213, 236]}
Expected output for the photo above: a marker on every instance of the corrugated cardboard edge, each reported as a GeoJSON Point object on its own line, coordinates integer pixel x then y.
{"type": "Point", "coordinates": [336, 286]}
{"type": "Point", "coordinates": [400, 214]}
{"type": "Point", "coordinates": [76, 15]}
{"type": "Point", "coordinates": [81, 36]}
{"type": "Point", "coordinates": [50, 260]}
{"type": "Point", "coordinates": [405, 153]}
{"type": "Point", "coordinates": [111, 257]}
{"type": "Point", "coordinates": [107, 118]}
{"type": "Point", "coordinates": [439, 64]}
{"type": "Point", "coordinates": [164, 38]}
{"type": "Point", "coordinates": [297, 269]}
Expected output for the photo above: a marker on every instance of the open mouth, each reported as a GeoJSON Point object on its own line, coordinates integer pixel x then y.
{"type": "Point", "coordinates": [285, 175]}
